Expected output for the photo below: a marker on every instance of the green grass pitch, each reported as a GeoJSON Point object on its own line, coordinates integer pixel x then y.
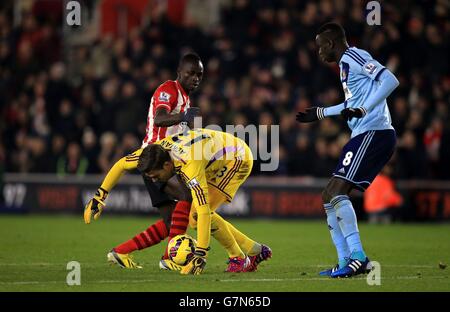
{"type": "Point", "coordinates": [36, 249]}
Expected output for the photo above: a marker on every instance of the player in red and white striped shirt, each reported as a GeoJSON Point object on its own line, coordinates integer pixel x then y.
{"type": "Point", "coordinates": [170, 105]}
{"type": "Point", "coordinates": [169, 113]}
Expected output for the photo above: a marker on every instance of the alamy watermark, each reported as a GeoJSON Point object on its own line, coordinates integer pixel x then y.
{"type": "Point", "coordinates": [374, 276]}
{"type": "Point", "coordinates": [74, 276]}
{"type": "Point", "coordinates": [72, 10]}
{"type": "Point", "coordinates": [373, 13]}
{"type": "Point", "coordinates": [263, 144]}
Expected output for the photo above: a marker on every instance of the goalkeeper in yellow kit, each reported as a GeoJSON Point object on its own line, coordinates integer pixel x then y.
{"type": "Point", "coordinates": [213, 165]}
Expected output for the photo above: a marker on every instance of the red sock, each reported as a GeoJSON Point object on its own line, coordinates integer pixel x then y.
{"type": "Point", "coordinates": [151, 236]}
{"type": "Point", "coordinates": [180, 220]}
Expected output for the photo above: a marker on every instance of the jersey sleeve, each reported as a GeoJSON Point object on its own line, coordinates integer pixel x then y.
{"type": "Point", "coordinates": [372, 69]}
{"type": "Point", "coordinates": [193, 174]}
{"type": "Point", "coordinates": [126, 163]}
{"type": "Point", "coordinates": [362, 63]}
{"type": "Point", "coordinates": [165, 97]}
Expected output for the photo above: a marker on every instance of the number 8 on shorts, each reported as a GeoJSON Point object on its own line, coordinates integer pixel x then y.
{"type": "Point", "coordinates": [347, 158]}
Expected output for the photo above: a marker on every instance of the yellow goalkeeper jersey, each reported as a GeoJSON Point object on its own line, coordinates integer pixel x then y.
{"type": "Point", "coordinates": [200, 157]}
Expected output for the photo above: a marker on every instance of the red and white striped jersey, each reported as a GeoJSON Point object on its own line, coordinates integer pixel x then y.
{"type": "Point", "coordinates": [170, 96]}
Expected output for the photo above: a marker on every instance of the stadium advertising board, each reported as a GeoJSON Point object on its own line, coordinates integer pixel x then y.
{"type": "Point", "coordinates": [259, 197]}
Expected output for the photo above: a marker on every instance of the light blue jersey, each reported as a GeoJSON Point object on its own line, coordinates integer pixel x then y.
{"type": "Point", "coordinates": [359, 74]}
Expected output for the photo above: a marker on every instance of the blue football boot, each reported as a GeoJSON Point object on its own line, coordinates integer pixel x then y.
{"type": "Point", "coordinates": [340, 264]}
{"type": "Point", "coordinates": [354, 267]}
{"type": "Point", "coordinates": [328, 272]}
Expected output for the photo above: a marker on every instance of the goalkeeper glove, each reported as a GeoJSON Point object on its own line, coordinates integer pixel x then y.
{"type": "Point", "coordinates": [349, 113]}
{"type": "Point", "coordinates": [190, 113]}
{"type": "Point", "coordinates": [311, 114]}
{"type": "Point", "coordinates": [197, 263]}
{"type": "Point", "coordinates": [95, 206]}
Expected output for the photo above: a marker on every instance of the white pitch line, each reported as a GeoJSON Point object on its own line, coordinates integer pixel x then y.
{"type": "Point", "coordinates": [29, 283]}
{"type": "Point", "coordinates": [53, 264]}
{"type": "Point", "coordinates": [31, 264]}
{"type": "Point", "coordinates": [90, 282]}
{"type": "Point", "coordinates": [226, 280]}
{"type": "Point", "coordinates": [417, 266]}
{"type": "Point", "coordinates": [329, 279]}
{"type": "Point", "coordinates": [300, 266]}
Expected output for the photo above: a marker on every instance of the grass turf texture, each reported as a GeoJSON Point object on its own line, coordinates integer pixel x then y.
{"type": "Point", "coordinates": [36, 249]}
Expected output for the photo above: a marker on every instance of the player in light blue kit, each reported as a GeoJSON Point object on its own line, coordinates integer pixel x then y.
{"type": "Point", "coordinates": [366, 85]}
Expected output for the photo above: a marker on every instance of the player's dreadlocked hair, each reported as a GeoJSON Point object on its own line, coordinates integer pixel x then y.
{"type": "Point", "coordinates": [333, 31]}
{"type": "Point", "coordinates": [190, 57]}
{"type": "Point", "coordinates": [152, 157]}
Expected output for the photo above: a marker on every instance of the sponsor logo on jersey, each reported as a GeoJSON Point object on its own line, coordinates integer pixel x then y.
{"type": "Point", "coordinates": [164, 97]}
{"type": "Point", "coordinates": [370, 68]}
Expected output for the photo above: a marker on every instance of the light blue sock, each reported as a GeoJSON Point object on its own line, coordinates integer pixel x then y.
{"type": "Point", "coordinates": [336, 235]}
{"type": "Point", "coordinates": [347, 222]}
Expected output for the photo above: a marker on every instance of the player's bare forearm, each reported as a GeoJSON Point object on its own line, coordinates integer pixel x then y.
{"type": "Point", "coordinates": [176, 188]}
{"type": "Point", "coordinates": [164, 119]}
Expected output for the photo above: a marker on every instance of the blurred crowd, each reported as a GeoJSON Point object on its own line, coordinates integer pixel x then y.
{"type": "Point", "coordinates": [78, 113]}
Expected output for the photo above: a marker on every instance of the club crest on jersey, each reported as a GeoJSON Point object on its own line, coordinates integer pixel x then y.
{"type": "Point", "coordinates": [370, 68]}
{"type": "Point", "coordinates": [192, 183]}
{"type": "Point", "coordinates": [164, 97]}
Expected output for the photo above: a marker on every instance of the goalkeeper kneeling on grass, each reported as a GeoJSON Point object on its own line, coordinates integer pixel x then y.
{"type": "Point", "coordinates": [213, 177]}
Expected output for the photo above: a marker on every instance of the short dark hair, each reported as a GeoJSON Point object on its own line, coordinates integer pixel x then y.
{"type": "Point", "coordinates": [190, 57]}
{"type": "Point", "coordinates": [153, 157]}
{"type": "Point", "coordinates": [332, 31]}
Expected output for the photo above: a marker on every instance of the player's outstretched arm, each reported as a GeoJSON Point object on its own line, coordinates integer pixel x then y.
{"type": "Point", "coordinates": [94, 207]}
{"type": "Point", "coordinates": [196, 177]}
{"type": "Point", "coordinates": [333, 110]}
{"type": "Point", "coordinates": [388, 83]}
{"type": "Point", "coordinates": [198, 262]}
{"type": "Point", "coordinates": [311, 114]}
{"type": "Point", "coordinates": [319, 113]}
